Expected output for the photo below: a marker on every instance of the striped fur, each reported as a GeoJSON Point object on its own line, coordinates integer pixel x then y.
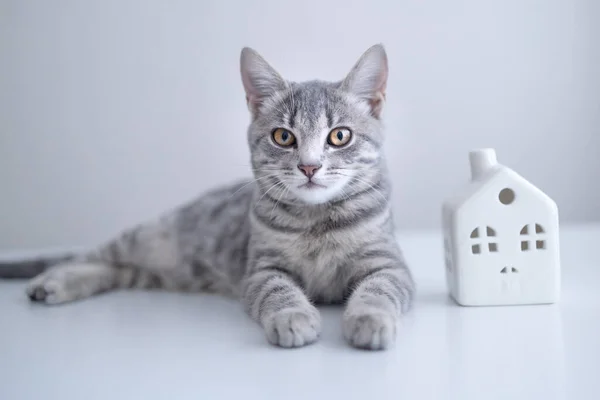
{"type": "Point", "coordinates": [280, 247]}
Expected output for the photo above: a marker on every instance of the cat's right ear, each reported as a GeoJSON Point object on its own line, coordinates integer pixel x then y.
{"type": "Point", "coordinates": [259, 78]}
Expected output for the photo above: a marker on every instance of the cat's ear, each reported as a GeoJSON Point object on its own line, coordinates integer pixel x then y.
{"type": "Point", "coordinates": [259, 78]}
{"type": "Point", "coordinates": [368, 78]}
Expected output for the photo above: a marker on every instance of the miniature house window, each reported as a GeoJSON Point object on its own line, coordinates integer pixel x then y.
{"type": "Point", "coordinates": [533, 237]}
{"type": "Point", "coordinates": [484, 239]}
{"type": "Point", "coordinates": [506, 196]}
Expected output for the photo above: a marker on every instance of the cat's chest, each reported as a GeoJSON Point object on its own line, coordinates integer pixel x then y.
{"type": "Point", "coordinates": [322, 263]}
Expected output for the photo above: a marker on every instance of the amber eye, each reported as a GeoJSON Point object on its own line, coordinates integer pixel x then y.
{"type": "Point", "coordinates": [283, 137]}
{"type": "Point", "coordinates": [339, 137]}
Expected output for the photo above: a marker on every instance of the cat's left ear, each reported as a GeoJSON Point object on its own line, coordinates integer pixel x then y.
{"type": "Point", "coordinates": [368, 78]}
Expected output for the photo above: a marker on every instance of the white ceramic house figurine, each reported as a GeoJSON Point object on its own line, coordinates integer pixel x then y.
{"type": "Point", "coordinates": [501, 238]}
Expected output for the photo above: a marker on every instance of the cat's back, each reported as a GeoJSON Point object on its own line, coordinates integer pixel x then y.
{"type": "Point", "coordinates": [216, 207]}
{"type": "Point", "coordinates": [213, 230]}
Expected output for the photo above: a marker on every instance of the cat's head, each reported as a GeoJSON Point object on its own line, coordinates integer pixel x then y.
{"type": "Point", "coordinates": [315, 142]}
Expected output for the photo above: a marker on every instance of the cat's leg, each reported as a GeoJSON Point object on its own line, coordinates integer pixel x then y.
{"type": "Point", "coordinates": [145, 257]}
{"type": "Point", "coordinates": [382, 293]}
{"type": "Point", "coordinates": [68, 282]}
{"type": "Point", "coordinates": [77, 280]}
{"type": "Point", "coordinates": [276, 301]}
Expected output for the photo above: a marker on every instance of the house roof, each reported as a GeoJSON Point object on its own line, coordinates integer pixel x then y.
{"type": "Point", "coordinates": [476, 187]}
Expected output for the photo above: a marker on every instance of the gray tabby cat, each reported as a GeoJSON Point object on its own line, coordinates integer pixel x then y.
{"type": "Point", "coordinates": [314, 226]}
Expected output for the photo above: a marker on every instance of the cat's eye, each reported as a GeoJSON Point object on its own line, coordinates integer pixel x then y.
{"type": "Point", "coordinates": [283, 137]}
{"type": "Point", "coordinates": [339, 137]}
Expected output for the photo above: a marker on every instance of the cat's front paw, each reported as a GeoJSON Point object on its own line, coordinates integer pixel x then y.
{"type": "Point", "coordinates": [370, 329]}
{"type": "Point", "coordinates": [294, 327]}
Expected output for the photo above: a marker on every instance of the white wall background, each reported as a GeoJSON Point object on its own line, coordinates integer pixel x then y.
{"type": "Point", "coordinates": [114, 111]}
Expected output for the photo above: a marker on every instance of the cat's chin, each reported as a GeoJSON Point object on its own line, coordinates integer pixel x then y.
{"type": "Point", "coordinates": [315, 194]}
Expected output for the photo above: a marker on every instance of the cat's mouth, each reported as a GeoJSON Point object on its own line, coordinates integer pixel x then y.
{"type": "Point", "coordinates": [310, 185]}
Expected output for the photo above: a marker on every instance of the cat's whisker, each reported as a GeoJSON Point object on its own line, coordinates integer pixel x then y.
{"type": "Point", "coordinates": [292, 97]}
{"type": "Point", "coordinates": [267, 191]}
{"type": "Point", "coordinates": [371, 185]}
{"type": "Point", "coordinates": [283, 191]}
{"type": "Point", "coordinates": [278, 99]}
{"type": "Point", "coordinates": [344, 193]}
{"type": "Point", "coordinates": [379, 200]}
{"type": "Point", "coordinates": [281, 111]}
{"type": "Point", "coordinates": [270, 170]}
{"type": "Point", "coordinates": [278, 169]}
{"type": "Point", "coordinates": [268, 173]}
{"type": "Point", "coordinates": [251, 182]}
{"type": "Point", "coordinates": [252, 166]}
{"type": "Point", "coordinates": [273, 168]}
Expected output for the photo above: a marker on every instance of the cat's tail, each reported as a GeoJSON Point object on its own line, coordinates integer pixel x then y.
{"type": "Point", "coordinates": [29, 268]}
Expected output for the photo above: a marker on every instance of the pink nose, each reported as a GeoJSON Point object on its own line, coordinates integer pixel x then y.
{"type": "Point", "coordinates": [309, 170]}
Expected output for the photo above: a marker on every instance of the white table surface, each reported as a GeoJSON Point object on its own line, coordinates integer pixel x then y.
{"type": "Point", "coordinates": [138, 345]}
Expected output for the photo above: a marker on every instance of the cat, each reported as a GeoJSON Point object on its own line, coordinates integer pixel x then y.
{"type": "Point", "coordinates": [313, 227]}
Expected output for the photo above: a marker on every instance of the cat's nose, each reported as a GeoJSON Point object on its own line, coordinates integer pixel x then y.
{"type": "Point", "coordinates": [309, 170]}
